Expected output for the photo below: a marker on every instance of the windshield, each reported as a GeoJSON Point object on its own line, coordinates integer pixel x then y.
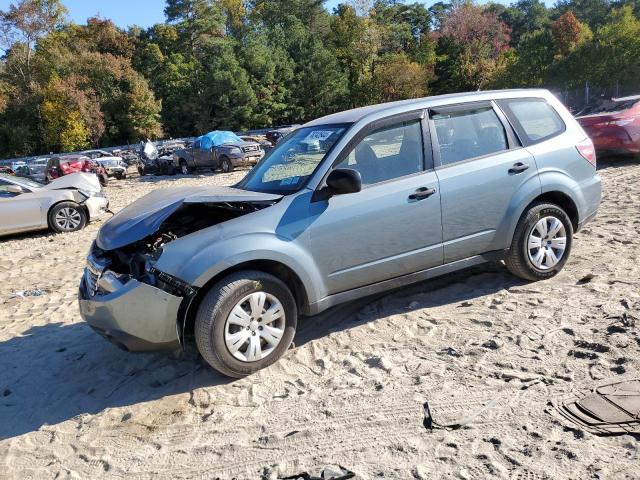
{"type": "Point", "coordinates": [23, 182]}
{"type": "Point", "coordinates": [293, 160]}
{"type": "Point", "coordinates": [109, 163]}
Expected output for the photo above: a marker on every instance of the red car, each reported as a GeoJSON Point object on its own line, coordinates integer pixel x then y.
{"type": "Point", "coordinates": [613, 125]}
{"type": "Point", "coordinates": [64, 165]}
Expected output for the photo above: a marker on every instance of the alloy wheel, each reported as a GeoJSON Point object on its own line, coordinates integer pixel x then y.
{"type": "Point", "coordinates": [546, 243]}
{"type": "Point", "coordinates": [255, 327]}
{"type": "Point", "coordinates": [68, 219]}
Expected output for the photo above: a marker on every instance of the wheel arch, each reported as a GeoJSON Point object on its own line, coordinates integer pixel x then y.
{"type": "Point", "coordinates": [563, 201]}
{"type": "Point", "coordinates": [186, 320]}
{"type": "Point", "coordinates": [70, 200]}
{"type": "Point", "coordinates": [557, 197]}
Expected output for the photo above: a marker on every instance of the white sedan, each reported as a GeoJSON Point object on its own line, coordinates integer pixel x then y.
{"type": "Point", "coordinates": [66, 204]}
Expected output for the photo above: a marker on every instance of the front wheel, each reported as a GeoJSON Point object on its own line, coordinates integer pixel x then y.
{"type": "Point", "coordinates": [245, 323]}
{"type": "Point", "coordinates": [541, 243]}
{"type": "Point", "coordinates": [184, 168]}
{"type": "Point", "coordinates": [225, 165]}
{"type": "Point", "coordinates": [67, 217]}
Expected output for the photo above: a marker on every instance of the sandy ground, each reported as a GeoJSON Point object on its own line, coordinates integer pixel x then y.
{"type": "Point", "coordinates": [351, 391]}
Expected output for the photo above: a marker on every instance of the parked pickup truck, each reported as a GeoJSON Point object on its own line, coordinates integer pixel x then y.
{"type": "Point", "coordinates": [217, 150]}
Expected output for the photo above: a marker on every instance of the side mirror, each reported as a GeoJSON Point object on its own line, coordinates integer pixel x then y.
{"type": "Point", "coordinates": [344, 180]}
{"type": "Point", "coordinates": [16, 189]}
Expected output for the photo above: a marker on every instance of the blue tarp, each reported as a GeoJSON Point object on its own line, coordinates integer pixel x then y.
{"type": "Point", "coordinates": [217, 138]}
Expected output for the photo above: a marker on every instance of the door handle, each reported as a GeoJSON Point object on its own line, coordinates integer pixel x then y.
{"type": "Point", "coordinates": [519, 167]}
{"type": "Point", "coordinates": [422, 193]}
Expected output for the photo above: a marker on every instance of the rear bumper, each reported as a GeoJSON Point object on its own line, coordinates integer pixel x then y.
{"type": "Point", "coordinates": [614, 140]}
{"type": "Point", "coordinates": [137, 317]}
{"type": "Point", "coordinates": [591, 191]}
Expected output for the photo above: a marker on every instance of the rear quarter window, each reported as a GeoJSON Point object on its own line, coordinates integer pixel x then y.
{"type": "Point", "coordinates": [533, 119]}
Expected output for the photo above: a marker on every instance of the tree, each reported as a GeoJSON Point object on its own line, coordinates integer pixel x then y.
{"type": "Point", "coordinates": [568, 32]}
{"type": "Point", "coordinates": [592, 12]}
{"type": "Point", "coordinates": [472, 43]}
{"type": "Point", "coordinates": [23, 24]}
{"type": "Point", "coordinates": [528, 64]}
{"type": "Point", "coordinates": [64, 128]}
{"type": "Point", "coordinates": [356, 43]}
{"type": "Point", "coordinates": [525, 17]}
{"type": "Point", "coordinates": [397, 78]}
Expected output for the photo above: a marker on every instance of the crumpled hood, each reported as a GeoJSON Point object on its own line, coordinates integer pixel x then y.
{"type": "Point", "coordinates": [145, 216]}
{"type": "Point", "coordinates": [81, 181]}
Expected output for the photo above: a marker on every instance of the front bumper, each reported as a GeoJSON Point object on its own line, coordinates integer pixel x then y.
{"type": "Point", "coordinates": [246, 159]}
{"type": "Point", "coordinates": [137, 317]}
{"type": "Point", "coordinates": [97, 206]}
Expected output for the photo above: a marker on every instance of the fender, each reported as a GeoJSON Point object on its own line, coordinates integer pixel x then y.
{"type": "Point", "coordinates": [526, 194]}
{"type": "Point", "coordinates": [218, 256]}
{"type": "Point", "coordinates": [556, 180]}
{"type": "Point", "coordinates": [552, 180]}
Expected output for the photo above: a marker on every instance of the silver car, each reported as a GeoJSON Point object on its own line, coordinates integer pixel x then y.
{"type": "Point", "coordinates": [389, 195]}
{"type": "Point", "coordinates": [65, 205]}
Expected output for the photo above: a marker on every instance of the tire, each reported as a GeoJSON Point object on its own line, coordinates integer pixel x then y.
{"type": "Point", "coordinates": [213, 326]}
{"type": "Point", "coordinates": [104, 180]}
{"type": "Point", "coordinates": [184, 168]}
{"type": "Point", "coordinates": [225, 165]}
{"type": "Point", "coordinates": [75, 216]}
{"type": "Point", "coordinates": [523, 261]}
{"type": "Point", "coordinates": [141, 171]}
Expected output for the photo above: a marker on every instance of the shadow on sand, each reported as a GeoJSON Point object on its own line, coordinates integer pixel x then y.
{"type": "Point", "coordinates": [55, 372]}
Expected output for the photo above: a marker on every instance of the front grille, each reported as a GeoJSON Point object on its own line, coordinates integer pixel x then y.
{"type": "Point", "coordinates": [251, 148]}
{"type": "Point", "coordinates": [95, 267]}
{"type": "Point", "coordinates": [91, 281]}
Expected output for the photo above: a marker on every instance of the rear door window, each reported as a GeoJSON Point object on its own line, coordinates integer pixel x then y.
{"type": "Point", "coordinates": [533, 119]}
{"type": "Point", "coordinates": [467, 134]}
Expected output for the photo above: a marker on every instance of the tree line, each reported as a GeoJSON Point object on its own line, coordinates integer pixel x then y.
{"type": "Point", "coordinates": [240, 64]}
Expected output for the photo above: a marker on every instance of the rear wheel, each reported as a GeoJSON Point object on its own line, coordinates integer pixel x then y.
{"type": "Point", "coordinates": [184, 168]}
{"type": "Point", "coordinates": [225, 165]}
{"type": "Point", "coordinates": [541, 243]}
{"type": "Point", "coordinates": [67, 217]}
{"type": "Point", "coordinates": [245, 323]}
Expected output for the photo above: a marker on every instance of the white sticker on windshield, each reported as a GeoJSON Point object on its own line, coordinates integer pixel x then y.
{"type": "Point", "coordinates": [321, 135]}
{"type": "Point", "coordinates": [289, 181]}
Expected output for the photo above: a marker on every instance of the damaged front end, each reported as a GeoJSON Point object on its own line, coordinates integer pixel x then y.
{"type": "Point", "coordinates": [122, 294]}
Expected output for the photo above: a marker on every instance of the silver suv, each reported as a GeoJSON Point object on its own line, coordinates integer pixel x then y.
{"type": "Point", "coordinates": [345, 206]}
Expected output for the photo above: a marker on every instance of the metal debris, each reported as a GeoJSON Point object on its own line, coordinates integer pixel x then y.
{"type": "Point", "coordinates": [430, 424]}
{"type": "Point", "coordinates": [330, 472]}
{"type": "Point", "coordinates": [35, 292]}
{"type": "Point", "coordinates": [610, 409]}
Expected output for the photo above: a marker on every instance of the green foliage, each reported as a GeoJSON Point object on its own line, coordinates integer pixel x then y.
{"type": "Point", "coordinates": [237, 64]}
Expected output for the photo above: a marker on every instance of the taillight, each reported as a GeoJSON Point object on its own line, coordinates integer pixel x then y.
{"type": "Point", "coordinates": [587, 150]}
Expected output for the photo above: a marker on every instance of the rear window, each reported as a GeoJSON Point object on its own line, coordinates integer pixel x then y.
{"type": "Point", "coordinates": [533, 118]}
{"type": "Point", "coordinates": [72, 162]}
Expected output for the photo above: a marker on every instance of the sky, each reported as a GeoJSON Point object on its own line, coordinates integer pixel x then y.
{"type": "Point", "coordinates": [144, 13]}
